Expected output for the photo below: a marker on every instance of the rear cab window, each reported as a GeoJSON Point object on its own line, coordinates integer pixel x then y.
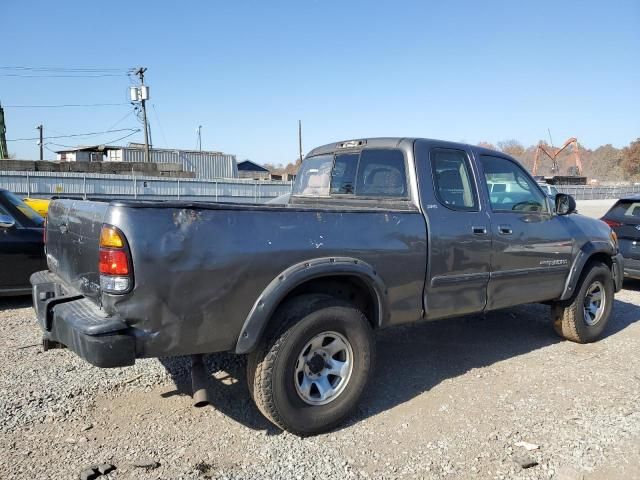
{"type": "Point", "coordinates": [370, 173]}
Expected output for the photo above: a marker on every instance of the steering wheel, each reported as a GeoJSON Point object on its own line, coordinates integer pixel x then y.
{"type": "Point", "coordinates": [528, 206]}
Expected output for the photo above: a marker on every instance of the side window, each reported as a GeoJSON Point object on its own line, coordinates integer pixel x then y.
{"type": "Point", "coordinates": [510, 188]}
{"type": "Point", "coordinates": [343, 177]}
{"type": "Point", "coordinates": [452, 179]}
{"type": "Point", "coordinates": [381, 173]}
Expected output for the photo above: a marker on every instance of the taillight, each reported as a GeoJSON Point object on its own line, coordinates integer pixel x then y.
{"type": "Point", "coordinates": [114, 261]}
{"type": "Point", "coordinates": [611, 223]}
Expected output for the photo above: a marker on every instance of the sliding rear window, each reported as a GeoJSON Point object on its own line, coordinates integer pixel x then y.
{"type": "Point", "coordinates": [371, 173]}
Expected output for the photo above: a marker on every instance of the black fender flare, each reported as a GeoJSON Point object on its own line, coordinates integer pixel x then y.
{"type": "Point", "coordinates": [286, 281]}
{"type": "Point", "coordinates": [587, 251]}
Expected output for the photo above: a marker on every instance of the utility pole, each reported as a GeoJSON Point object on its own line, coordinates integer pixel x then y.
{"type": "Point", "coordinates": [199, 138]}
{"type": "Point", "coordinates": [41, 143]}
{"type": "Point", "coordinates": [300, 138]}
{"type": "Point", "coordinates": [140, 74]}
{"type": "Point", "coordinates": [4, 153]}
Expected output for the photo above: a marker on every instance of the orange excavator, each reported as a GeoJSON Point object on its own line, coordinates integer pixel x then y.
{"type": "Point", "coordinates": [553, 155]}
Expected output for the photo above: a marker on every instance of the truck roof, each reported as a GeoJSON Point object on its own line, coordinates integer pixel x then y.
{"type": "Point", "coordinates": [390, 142]}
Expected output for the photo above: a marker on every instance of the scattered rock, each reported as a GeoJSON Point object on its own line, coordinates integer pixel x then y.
{"type": "Point", "coordinates": [527, 446]}
{"type": "Point", "coordinates": [147, 463]}
{"type": "Point", "coordinates": [106, 468]}
{"type": "Point", "coordinates": [525, 461]}
{"type": "Point", "coordinates": [86, 427]}
{"type": "Point", "coordinates": [89, 474]}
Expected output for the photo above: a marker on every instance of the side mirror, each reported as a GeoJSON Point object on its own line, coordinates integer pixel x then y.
{"type": "Point", "coordinates": [565, 204]}
{"type": "Point", "coordinates": [6, 221]}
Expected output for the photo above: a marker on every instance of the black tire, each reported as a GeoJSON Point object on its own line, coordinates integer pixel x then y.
{"type": "Point", "coordinates": [271, 367]}
{"type": "Point", "coordinates": [569, 319]}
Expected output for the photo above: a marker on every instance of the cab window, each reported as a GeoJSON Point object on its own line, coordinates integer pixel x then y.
{"type": "Point", "coordinates": [375, 173]}
{"type": "Point", "coordinates": [452, 179]}
{"type": "Point", "coordinates": [343, 176]}
{"type": "Point", "coordinates": [314, 177]}
{"type": "Point", "coordinates": [381, 173]}
{"type": "Point", "coordinates": [510, 188]}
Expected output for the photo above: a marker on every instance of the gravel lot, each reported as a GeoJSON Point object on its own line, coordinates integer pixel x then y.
{"type": "Point", "coordinates": [450, 399]}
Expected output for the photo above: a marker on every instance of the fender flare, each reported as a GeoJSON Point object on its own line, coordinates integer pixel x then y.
{"type": "Point", "coordinates": [286, 281]}
{"type": "Point", "coordinates": [587, 251]}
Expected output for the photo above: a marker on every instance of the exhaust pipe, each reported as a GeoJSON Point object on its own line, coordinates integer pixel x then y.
{"type": "Point", "coordinates": [199, 381]}
{"type": "Point", "coordinates": [50, 344]}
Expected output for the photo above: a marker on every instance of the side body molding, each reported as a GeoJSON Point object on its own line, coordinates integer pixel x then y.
{"type": "Point", "coordinates": [586, 251]}
{"type": "Point", "coordinates": [285, 282]}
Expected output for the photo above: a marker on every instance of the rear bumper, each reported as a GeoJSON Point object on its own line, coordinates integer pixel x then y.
{"type": "Point", "coordinates": [77, 323]}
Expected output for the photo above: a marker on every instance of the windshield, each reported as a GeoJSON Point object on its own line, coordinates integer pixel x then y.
{"type": "Point", "coordinates": [25, 209]}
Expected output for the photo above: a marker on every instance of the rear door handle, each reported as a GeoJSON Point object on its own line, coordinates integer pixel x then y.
{"type": "Point", "coordinates": [505, 229]}
{"type": "Point", "coordinates": [479, 230]}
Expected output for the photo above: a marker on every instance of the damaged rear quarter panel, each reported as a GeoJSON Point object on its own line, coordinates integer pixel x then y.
{"type": "Point", "coordinates": [198, 271]}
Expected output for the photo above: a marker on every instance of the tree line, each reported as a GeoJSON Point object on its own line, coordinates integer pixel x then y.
{"type": "Point", "coordinates": [605, 163]}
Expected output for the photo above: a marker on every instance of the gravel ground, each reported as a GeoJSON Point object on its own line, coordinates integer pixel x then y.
{"type": "Point", "coordinates": [449, 399]}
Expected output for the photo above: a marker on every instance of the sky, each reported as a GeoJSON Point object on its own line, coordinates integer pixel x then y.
{"type": "Point", "coordinates": [247, 71]}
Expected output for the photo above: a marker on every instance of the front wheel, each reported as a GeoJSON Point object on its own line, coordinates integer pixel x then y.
{"type": "Point", "coordinates": [310, 372]}
{"type": "Point", "coordinates": [585, 318]}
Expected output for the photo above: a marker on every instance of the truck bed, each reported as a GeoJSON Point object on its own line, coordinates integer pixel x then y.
{"type": "Point", "coordinates": [199, 268]}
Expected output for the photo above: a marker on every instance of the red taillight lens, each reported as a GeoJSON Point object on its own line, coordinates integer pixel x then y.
{"type": "Point", "coordinates": [114, 262]}
{"type": "Point", "coordinates": [612, 223]}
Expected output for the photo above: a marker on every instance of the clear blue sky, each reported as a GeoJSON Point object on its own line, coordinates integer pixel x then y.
{"type": "Point", "coordinates": [247, 71]}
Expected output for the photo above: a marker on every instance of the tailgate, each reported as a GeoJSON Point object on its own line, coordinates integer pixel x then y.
{"type": "Point", "coordinates": [73, 237]}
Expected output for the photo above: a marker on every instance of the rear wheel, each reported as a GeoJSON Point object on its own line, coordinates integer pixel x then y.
{"type": "Point", "coordinates": [310, 371]}
{"type": "Point", "coordinates": [584, 319]}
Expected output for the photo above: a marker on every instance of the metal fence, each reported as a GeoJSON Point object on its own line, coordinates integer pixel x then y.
{"type": "Point", "coordinates": [81, 185]}
{"type": "Point", "coordinates": [588, 192]}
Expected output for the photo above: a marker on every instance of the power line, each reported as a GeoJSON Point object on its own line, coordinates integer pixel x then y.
{"type": "Point", "coordinates": [65, 105]}
{"type": "Point", "coordinates": [103, 143]}
{"type": "Point", "coordinates": [20, 75]}
{"type": "Point", "coordinates": [74, 135]}
{"type": "Point", "coordinates": [166, 145]}
{"type": "Point", "coordinates": [65, 69]}
{"type": "Point", "coordinates": [118, 122]}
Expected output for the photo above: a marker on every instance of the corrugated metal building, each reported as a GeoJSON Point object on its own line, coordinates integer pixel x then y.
{"type": "Point", "coordinates": [204, 164]}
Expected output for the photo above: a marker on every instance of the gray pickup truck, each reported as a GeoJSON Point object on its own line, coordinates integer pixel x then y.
{"type": "Point", "coordinates": [377, 233]}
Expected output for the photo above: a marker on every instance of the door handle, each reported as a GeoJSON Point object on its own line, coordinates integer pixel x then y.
{"type": "Point", "coordinates": [505, 229]}
{"type": "Point", "coordinates": [479, 230]}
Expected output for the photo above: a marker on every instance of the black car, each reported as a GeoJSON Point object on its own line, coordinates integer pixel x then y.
{"type": "Point", "coordinates": [21, 244]}
{"type": "Point", "coordinates": [624, 219]}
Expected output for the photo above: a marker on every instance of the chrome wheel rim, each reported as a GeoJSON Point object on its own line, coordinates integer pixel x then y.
{"type": "Point", "coordinates": [594, 303]}
{"type": "Point", "coordinates": [323, 368]}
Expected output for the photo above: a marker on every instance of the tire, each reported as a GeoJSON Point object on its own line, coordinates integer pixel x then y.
{"type": "Point", "coordinates": [572, 321]}
{"type": "Point", "coordinates": [279, 381]}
